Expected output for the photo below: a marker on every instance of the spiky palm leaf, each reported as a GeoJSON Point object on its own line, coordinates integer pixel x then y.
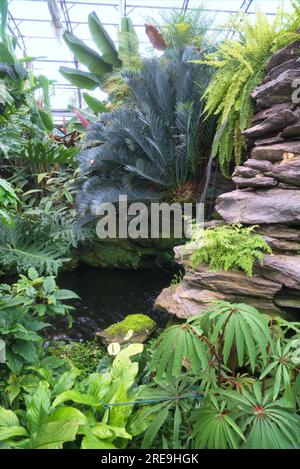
{"type": "Point", "coordinates": [269, 423]}
{"type": "Point", "coordinates": [153, 146]}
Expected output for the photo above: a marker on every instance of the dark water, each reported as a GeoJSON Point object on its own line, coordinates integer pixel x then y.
{"type": "Point", "coordinates": [107, 296]}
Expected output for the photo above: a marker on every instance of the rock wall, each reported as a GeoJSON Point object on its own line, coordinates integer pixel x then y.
{"type": "Point", "coordinates": [267, 194]}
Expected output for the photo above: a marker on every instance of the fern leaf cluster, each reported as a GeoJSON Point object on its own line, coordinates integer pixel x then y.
{"type": "Point", "coordinates": [241, 66]}
{"type": "Point", "coordinates": [230, 247]}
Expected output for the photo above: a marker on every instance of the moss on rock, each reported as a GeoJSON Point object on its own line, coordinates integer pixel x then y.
{"type": "Point", "coordinates": [141, 325]}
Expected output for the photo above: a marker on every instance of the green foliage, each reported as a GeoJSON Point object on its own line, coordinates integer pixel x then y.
{"type": "Point", "coordinates": [45, 243]}
{"type": "Point", "coordinates": [46, 421]}
{"type": "Point", "coordinates": [24, 307]}
{"type": "Point", "coordinates": [184, 28]}
{"type": "Point", "coordinates": [149, 150]}
{"type": "Point", "coordinates": [241, 66]}
{"type": "Point", "coordinates": [83, 355]}
{"type": "Point", "coordinates": [26, 245]}
{"type": "Point", "coordinates": [248, 383]}
{"type": "Point", "coordinates": [103, 67]}
{"type": "Point", "coordinates": [45, 152]}
{"type": "Point", "coordinates": [8, 201]}
{"type": "Point", "coordinates": [229, 247]}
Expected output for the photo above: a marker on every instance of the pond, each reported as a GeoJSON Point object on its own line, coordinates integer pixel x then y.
{"type": "Point", "coordinates": [107, 296]}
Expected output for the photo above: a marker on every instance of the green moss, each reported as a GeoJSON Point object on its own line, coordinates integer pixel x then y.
{"type": "Point", "coordinates": [112, 257]}
{"type": "Point", "coordinates": [138, 323]}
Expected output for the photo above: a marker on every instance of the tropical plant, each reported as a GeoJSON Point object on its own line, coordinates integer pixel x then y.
{"type": "Point", "coordinates": [8, 201]}
{"type": "Point", "coordinates": [244, 369]}
{"type": "Point", "coordinates": [241, 66]}
{"type": "Point", "coordinates": [14, 91]}
{"type": "Point", "coordinates": [23, 308]}
{"type": "Point", "coordinates": [97, 418]}
{"type": "Point", "coordinates": [103, 68]}
{"type": "Point", "coordinates": [183, 28]}
{"type": "Point", "coordinates": [155, 147]}
{"type": "Point", "coordinates": [44, 243]}
{"type": "Point", "coordinates": [229, 247]}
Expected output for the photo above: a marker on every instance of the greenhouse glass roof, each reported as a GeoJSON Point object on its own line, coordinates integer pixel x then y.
{"type": "Point", "coordinates": [30, 22]}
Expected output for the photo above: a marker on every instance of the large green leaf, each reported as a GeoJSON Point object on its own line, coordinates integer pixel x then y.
{"type": "Point", "coordinates": [103, 41]}
{"type": "Point", "coordinates": [38, 407]}
{"type": "Point", "coordinates": [128, 40]}
{"type": "Point", "coordinates": [52, 435]}
{"type": "Point", "coordinates": [46, 119]}
{"type": "Point", "coordinates": [268, 424]}
{"type": "Point", "coordinates": [214, 428]}
{"type": "Point", "coordinates": [92, 442]}
{"type": "Point", "coordinates": [79, 78]}
{"type": "Point", "coordinates": [87, 56]}
{"type": "Point", "coordinates": [5, 55]}
{"type": "Point", "coordinates": [77, 397]}
{"type": "Point", "coordinates": [94, 103]}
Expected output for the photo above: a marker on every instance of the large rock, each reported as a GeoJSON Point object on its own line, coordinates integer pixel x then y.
{"type": "Point", "coordinates": [272, 124]}
{"type": "Point", "coordinates": [291, 131]}
{"type": "Point", "coordinates": [276, 91]}
{"type": "Point", "coordinates": [283, 55]}
{"type": "Point", "coordinates": [262, 142]}
{"type": "Point", "coordinates": [246, 172]}
{"type": "Point", "coordinates": [282, 245]}
{"type": "Point", "coordinates": [237, 283]}
{"type": "Point", "coordinates": [260, 207]}
{"type": "Point", "coordinates": [275, 152]}
{"type": "Point", "coordinates": [135, 328]}
{"type": "Point", "coordinates": [282, 269]}
{"type": "Point", "coordinates": [258, 165]}
{"type": "Point", "coordinates": [280, 232]}
{"type": "Point", "coordinates": [291, 64]}
{"type": "Point", "coordinates": [185, 301]}
{"type": "Point", "coordinates": [265, 113]}
{"type": "Point", "coordinates": [259, 181]}
{"type": "Point", "coordinates": [288, 171]}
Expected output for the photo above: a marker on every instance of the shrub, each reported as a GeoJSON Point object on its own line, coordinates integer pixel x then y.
{"type": "Point", "coordinates": [24, 307]}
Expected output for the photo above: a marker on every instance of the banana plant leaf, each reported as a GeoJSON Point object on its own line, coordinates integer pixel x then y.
{"type": "Point", "coordinates": [81, 79]}
{"type": "Point", "coordinates": [128, 40]}
{"type": "Point", "coordinates": [103, 41]}
{"type": "Point", "coordinates": [3, 15]}
{"type": "Point", "coordinates": [94, 104]}
{"type": "Point", "coordinates": [5, 55]}
{"type": "Point", "coordinates": [87, 56]}
{"type": "Point", "coordinates": [46, 119]}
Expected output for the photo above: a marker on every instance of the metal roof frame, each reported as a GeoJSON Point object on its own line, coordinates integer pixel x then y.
{"type": "Point", "coordinates": [122, 8]}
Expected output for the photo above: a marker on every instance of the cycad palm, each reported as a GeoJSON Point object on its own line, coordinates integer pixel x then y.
{"type": "Point", "coordinates": [149, 149]}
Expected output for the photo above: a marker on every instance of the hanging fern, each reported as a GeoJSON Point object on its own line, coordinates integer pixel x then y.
{"type": "Point", "coordinates": [241, 66]}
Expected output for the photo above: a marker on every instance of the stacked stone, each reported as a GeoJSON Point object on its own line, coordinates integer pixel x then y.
{"type": "Point", "coordinates": [268, 195]}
